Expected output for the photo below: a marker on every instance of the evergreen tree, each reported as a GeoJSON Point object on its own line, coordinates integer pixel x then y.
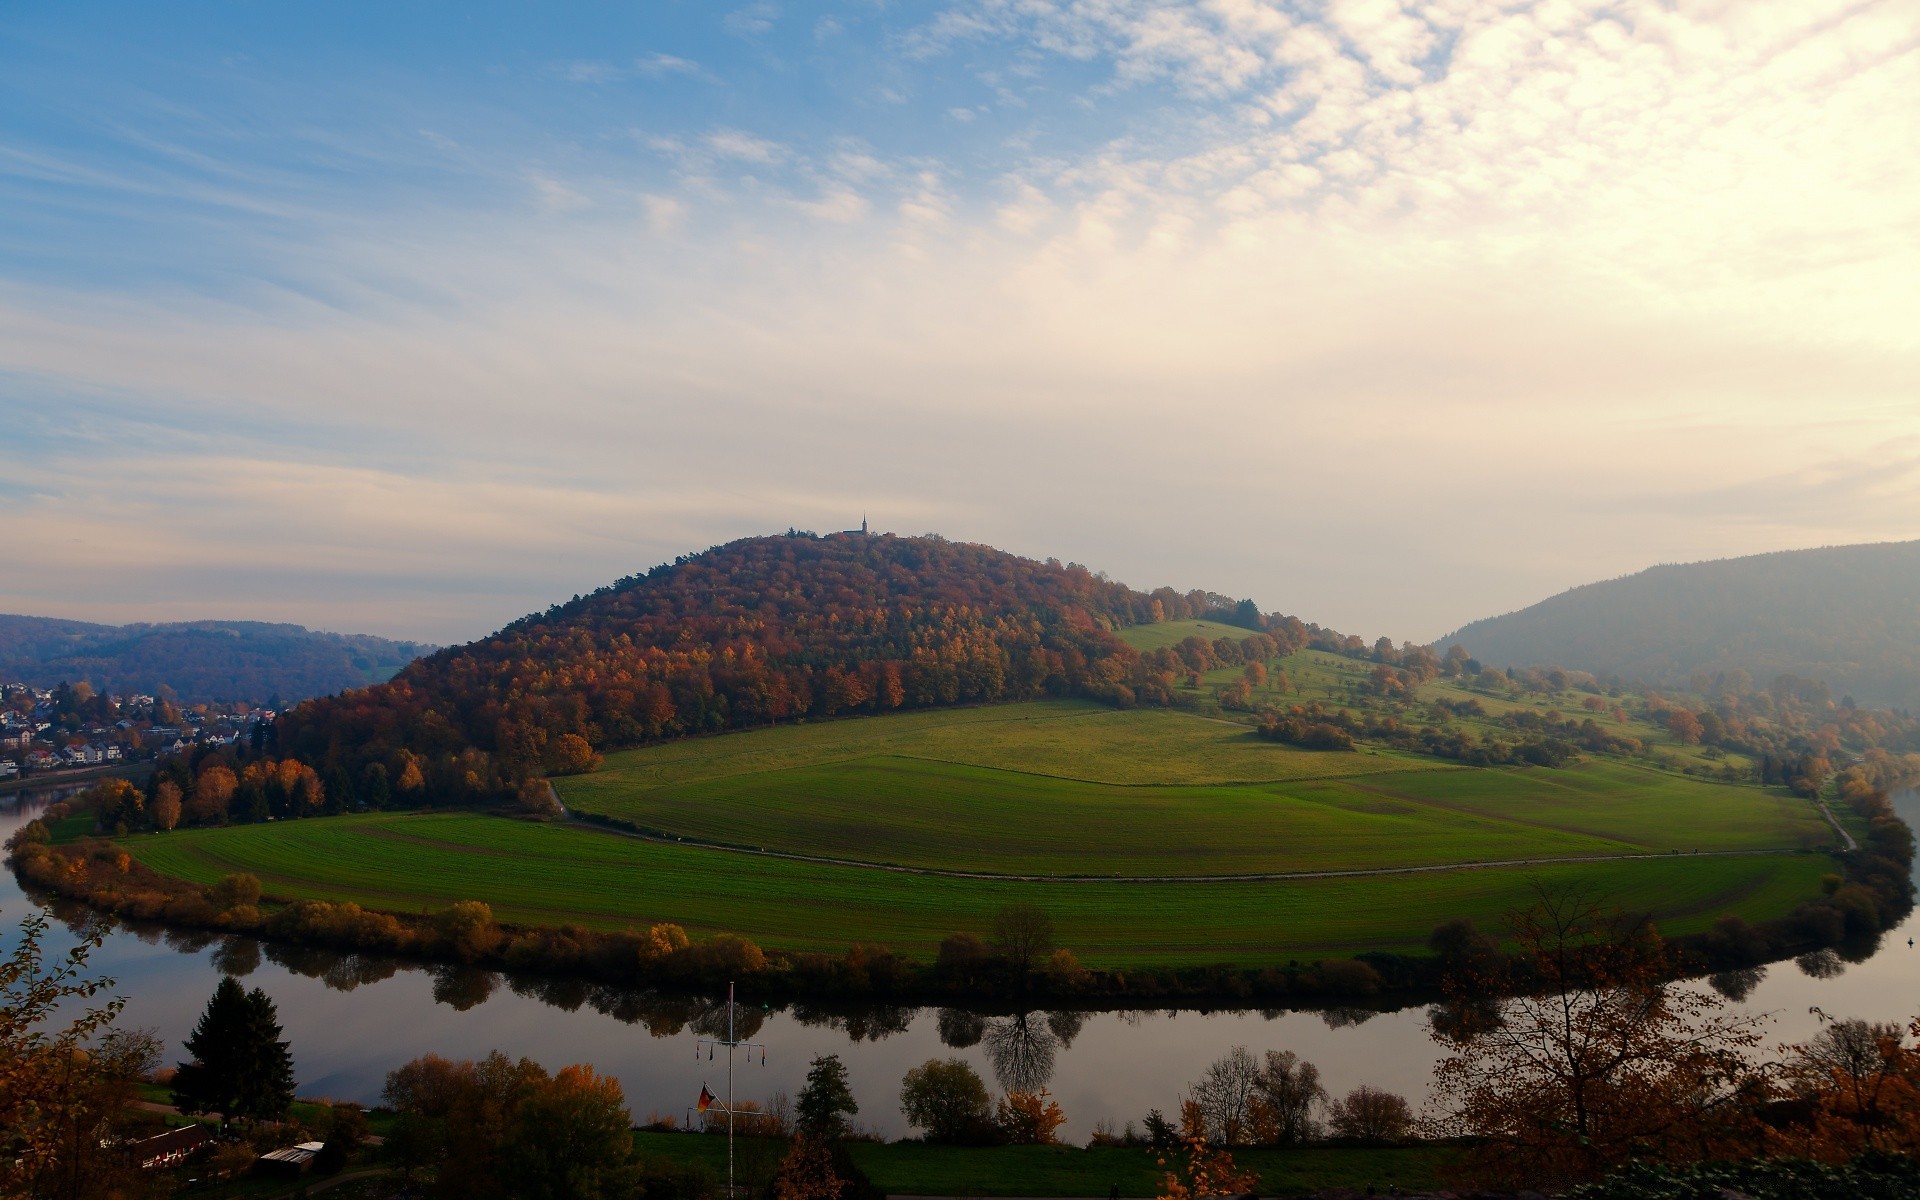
{"type": "Point", "coordinates": [827, 1100]}
{"type": "Point", "coordinates": [375, 789]}
{"type": "Point", "coordinates": [340, 797]}
{"type": "Point", "coordinates": [240, 1066]}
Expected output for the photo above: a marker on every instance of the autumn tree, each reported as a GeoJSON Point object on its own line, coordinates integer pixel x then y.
{"type": "Point", "coordinates": [947, 1099]}
{"type": "Point", "coordinates": [166, 805]}
{"type": "Point", "coordinates": [1200, 1169]}
{"type": "Point", "coordinates": [1684, 726]}
{"type": "Point", "coordinates": [1225, 1095]}
{"type": "Point", "coordinates": [1862, 1080]}
{"type": "Point", "coordinates": [1588, 1059]}
{"type": "Point", "coordinates": [212, 796]}
{"type": "Point", "coordinates": [1022, 936]}
{"type": "Point", "coordinates": [500, 1128]}
{"type": "Point", "coordinates": [570, 1138]}
{"type": "Point", "coordinates": [1029, 1118]}
{"type": "Point", "coordinates": [1287, 1089]}
{"type": "Point", "coordinates": [807, 1173]}
{"type": "Point", "coordinates": [1370, 1114]}
{"type": "Point", "coordinates": [67, 1076]}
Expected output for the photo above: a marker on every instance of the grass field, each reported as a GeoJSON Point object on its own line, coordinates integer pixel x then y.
{"type": "Point", "coordinates": [1067, 795]}
{"type": "Point", "coordinates": [549, 874]}
{"type": "Point", "coordinates": [916, 1169]}
{"type": "Point", "coordinates": [1100, 792]}
{"type": "Point", "coordinates": [1070, 739]}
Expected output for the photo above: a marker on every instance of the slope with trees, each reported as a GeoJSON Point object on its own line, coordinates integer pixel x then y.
{"type": "Point", "coordinates": [756, 632]}
{"type": "Point", "coordinates": [1842, 618]}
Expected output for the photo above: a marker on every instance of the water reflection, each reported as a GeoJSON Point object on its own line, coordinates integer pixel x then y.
{"type": "Point", "coordinates": [960, 1028]}
{"type": "Point", "coordinates": [1737, 985]}
{"type": "Point", "coordinates": [1022, 1050]}
{"type": "Point", "coordinates": [237, 956]}
{"type": "Point", "coordinates": [1820, 964]}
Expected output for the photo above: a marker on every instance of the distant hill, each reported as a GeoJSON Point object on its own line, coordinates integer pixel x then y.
{"type": "Point", "coordinates": [1848, 616]}
{"type": "Point", "coordinates": [200, 660]}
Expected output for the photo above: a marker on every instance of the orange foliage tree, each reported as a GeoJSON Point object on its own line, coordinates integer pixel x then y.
{"type": "Point", "coordinates": [1575, 1055]}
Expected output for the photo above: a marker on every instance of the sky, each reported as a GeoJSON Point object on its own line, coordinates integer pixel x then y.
{"type": "Point", "coordinates": [411, 318]}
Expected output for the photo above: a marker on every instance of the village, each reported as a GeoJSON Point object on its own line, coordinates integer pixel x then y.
{"type": "Point", "coordinates": [46, 733]}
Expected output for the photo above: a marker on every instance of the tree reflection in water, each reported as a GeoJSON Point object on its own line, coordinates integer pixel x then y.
{"type": "Point", "coordinates": [237, 956]}
{"type": "Point", "coordinates": [1737, 985]}
{"type": "Point", "coordinates": [462, 988]}
{"type": "Point", "coordinates": [1820, 964]}
{"type": "Point", "coordinates": [960, 1028]}
{"type": "Point", "coordinates": [1021, 1050]}
{"type": "Point", "coordinates": [1347, 1018]}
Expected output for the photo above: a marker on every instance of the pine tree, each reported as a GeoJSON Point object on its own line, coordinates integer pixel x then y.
{"type": "Point", "coordinates": [267, 1085]}
{"type": "Point", "coordinates": [240, 1066]}
{"type": "Point", "coordinates": [826, 1101]}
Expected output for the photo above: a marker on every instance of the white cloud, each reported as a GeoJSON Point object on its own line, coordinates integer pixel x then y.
{"type": "Point", "coordinates": [841, 205]}
{"type": "Point", "coordinates": [657, 63]}
{"type": "Point", "coordinates": [751, 21]}
{"type": "Point", "coordinates": [745, 147]}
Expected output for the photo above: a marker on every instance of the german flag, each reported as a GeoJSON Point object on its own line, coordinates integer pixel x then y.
{"type": "Point", "coordinates": [706, 1098]}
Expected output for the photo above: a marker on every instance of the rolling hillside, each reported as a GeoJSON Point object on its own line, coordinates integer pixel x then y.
{"type": "Point", "coordinates": [1846, 616]}
{"type": "Point", "coordinates": [200, 660]}
{"type": "Point", "coordinates": [758, 632]}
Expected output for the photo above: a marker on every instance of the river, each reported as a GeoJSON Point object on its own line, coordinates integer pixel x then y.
{"type": "Point", "coordinates": [370, 1016]}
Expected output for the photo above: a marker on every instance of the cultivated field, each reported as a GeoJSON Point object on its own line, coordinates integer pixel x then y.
{"type": "Point", "coordinates": [908, 791]}
{"type": "Point", "coordinates": [1072, 739]}
{"type": "Point", "coordinates": [549, 874]}
{"type": "Point", "coordinates": [1139, 831]}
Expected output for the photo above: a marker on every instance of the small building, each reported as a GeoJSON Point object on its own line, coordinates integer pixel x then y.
{"type": "Point", "coordinates": [288, 1160]}
{"type": "Point", "coordinates": [170, 1148]}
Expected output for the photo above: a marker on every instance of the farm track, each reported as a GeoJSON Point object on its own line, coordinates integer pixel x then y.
{"type": "Point", "coordinates": [665, 839]}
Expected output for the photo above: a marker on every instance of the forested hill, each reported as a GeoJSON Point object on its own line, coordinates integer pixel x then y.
{"type": "Point", "coordinates": [757, 631]}
{"type": "Point", "coordinates": [1845, 616]}
{"type": "Point", "coordinates": [200, 660]}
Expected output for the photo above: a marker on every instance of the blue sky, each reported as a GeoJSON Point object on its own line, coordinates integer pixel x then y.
{"type": "Point", "coordinates": [411, 318]}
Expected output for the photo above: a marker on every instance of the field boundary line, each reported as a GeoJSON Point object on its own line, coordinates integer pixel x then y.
{"type": "Point", "coordinates": [1255, 877]}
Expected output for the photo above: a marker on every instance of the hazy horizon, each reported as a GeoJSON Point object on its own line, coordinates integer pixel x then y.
{"type": "Point", "coordinates": [1389, 316]}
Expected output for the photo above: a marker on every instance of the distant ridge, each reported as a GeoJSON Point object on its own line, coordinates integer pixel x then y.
{"type": "Point", "coordinates": [201, 661]}
{"type": "Point", "coordinates": [1848, 616]}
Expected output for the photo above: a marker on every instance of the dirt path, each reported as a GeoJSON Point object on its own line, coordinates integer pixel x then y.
{"type": "Point", "coordinates": [1262, 877]}
{"type": "Point", "coordinates": [1846, 839]}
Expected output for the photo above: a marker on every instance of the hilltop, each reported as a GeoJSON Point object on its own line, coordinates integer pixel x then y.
{"type": "Point", "coordinates": [201, 661]}
{"type": "Point", "coordinates": [1845, 617]}
{"type": "Point", "coordinates": [759, 632]}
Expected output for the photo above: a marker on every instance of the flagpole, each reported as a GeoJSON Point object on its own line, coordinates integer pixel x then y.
{"type": "Point", "coordinates": [732, 1042]}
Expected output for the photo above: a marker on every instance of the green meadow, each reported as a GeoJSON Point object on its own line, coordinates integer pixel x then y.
{"type": "Point", "coordinates": [551, 874]}
{"type": "Point", "coordinates": [1140, 832]}
{"type": "Point", "coordinates": [1076, 790]}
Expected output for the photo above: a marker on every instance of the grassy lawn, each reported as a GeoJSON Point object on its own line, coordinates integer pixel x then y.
{"type": "Point", "coordinates": [1068, 788]}
{"type": "Point", "coordinates": [549, 874]}
{"type": "Point", "coordinates": [1066, 739]}
{"type": "Point", "coordinates": [913, 1169]}
{"type": "Point", "coordinates": [912, 812]}
{"type": "Point", "coordinates": [1172, 633]}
